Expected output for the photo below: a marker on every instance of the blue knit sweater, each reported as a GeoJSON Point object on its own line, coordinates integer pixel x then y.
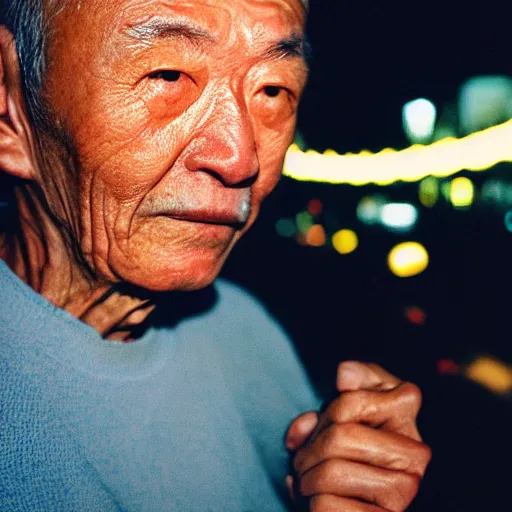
{"type": "Point", "coordinates": [188, 418]}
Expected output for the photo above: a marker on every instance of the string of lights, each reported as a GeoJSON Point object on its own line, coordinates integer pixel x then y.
{"type": "Point", "coordinates": [476, 152]}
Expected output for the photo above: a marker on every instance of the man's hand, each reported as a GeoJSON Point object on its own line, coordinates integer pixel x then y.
{"type": "Point", "coordinates": [364, 452]}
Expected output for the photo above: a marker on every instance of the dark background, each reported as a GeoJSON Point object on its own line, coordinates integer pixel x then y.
{"type": "Point", "coordinates": [369, 59]}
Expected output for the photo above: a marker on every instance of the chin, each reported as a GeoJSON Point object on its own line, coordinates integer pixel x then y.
{"type": "Point", "coordinates": [159, 277]}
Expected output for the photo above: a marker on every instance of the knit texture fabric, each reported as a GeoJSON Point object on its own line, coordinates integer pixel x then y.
{"type": "Point", "coordinates": [187, 418]}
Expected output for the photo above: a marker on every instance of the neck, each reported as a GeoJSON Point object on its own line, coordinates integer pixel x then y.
{"type": "Point", "coordinates": [39, 255]}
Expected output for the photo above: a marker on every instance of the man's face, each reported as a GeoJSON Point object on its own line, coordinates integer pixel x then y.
{"type": "Point", "coordinates": [181, 112]}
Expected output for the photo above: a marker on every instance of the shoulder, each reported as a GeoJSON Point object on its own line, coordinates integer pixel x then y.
{"type": "Point", "coordinates": [243, 314]}
{"type": "Point", "coordinates": [235, 298]}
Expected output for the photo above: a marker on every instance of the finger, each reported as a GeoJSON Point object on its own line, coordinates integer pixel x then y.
{"type": "Point", "coordinates": [290, 485]}
{"type": "Point", "coordinates": [353, 375]}
{"type": "Point", "coordinates": [332, 503]}
{"type": "Point", "coordinates": [300, 430]}
{"type": "Point", "coordinates": [391, 490]}
{"type": "Point", "coordinates": [395, 410]}
{"type": "Point", "coordinates": [358, 443]}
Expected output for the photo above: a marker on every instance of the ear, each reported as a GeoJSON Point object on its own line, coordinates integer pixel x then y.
{"type": "Point", "coordinates": [15, 136]}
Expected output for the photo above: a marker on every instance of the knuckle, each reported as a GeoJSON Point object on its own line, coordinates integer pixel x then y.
{"type": "Point", "coordinates": [375, 367]}
{"type": "Point", "coordinates": [348, 364]}
{"type": "Point", "coordinates": [418, 459]}
{"type": "Point", "coordinates": [335, 410]}
{"type": "Point", "coordinates": [400, 496]}
{"type": "Point", "coordinates": [347, 431]}
{"type": "Point", "coordinates": [412, 392]}
{"type": "Point", "coordinates": [328, 440]}
{"type": "Point", "coordinates": [322, 503]}
{"type": "Point", "coordinates": [334, 439]}
{"type": "Point", "coordinates": [426, 455]}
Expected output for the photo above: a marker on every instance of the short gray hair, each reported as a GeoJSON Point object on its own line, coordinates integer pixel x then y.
{"type": "Point", "coordinates": [29, 23]}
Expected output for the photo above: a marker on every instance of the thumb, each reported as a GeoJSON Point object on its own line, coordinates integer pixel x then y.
{"type": "Point", "coordinates": [300, 430]}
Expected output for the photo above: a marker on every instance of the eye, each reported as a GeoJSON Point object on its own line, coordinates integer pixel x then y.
{"type": "Point", "coordinates": [168, 75]}
{"type": "Point", "coordinates": [272, 91]}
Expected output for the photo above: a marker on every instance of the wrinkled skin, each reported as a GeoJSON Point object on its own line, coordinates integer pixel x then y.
{"type": "Point", "coordinates": [364, 452]}
{"type": "Point", "coordinates": [178, 137]}
{"type": "Point", "coordinates": [170, 122]}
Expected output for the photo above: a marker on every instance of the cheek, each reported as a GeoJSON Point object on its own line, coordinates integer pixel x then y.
{"type": "Point", "coordinates": [123, 152]}
{"type": "Point", "coordinates": [272, 146]}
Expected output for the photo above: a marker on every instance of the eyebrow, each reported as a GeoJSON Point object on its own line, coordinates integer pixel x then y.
{"type": "Point", "coordinates": [157, 28]}
{"type": "Point", "coordinates": [166, 29]}
{"type": "Point", "coordinates": [294, 46]}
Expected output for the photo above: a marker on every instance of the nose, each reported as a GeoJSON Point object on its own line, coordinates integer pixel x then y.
{"type": "Point", "coordinates": [225, 146]}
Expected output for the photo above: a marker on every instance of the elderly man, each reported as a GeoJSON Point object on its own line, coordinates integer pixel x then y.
{"type": "Point", "coordinates": [138, 139]}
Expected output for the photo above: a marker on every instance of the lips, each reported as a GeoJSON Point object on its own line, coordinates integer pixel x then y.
{"type": "Point", "coordinates": [226, 217]}
{"type": "Point", "coordinates": [228, 207]}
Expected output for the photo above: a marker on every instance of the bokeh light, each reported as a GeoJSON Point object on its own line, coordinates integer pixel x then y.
{"type": "Point", "coordinates": [429, 192]}
{"type": "Point", "coordinates": [475, 152]}
{"type": "Point", "coordinates": [315, 207]}
{"type": "Point", "coordinates": [286, 228]}
{"type": "Point", "coordinates": [508, 221]}
{"type": "Point", "coordinates": [416, 315]}
{"type": "Point", "coordinates": [345, 241]}
{"type": "Point", "coordinates": [491, 373]}
{"type": "Point", "coordinates": [368, 209]}
{"type": "Point", "coordinates": [419, 120]}
{"type": "Point", "coordinates": [408, 259]}
{"type": "Point", "coordinates": [399, 216]}
{"type": "Point", "coordinates": [315, 236]}
{"type": "Point", "coordinates": [462, 192]}
{"type": "Point", "coordinates": [304, 222]}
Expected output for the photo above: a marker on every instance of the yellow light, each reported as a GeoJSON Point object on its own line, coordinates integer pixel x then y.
{"type": "Point", "coordinates": [408, 259]}
{"type": "Point", "coordinates": [429, 192]}
{"type": "Point", "coordinates": [475, 152]}
{"type": "Point", "coordinates": [462, 192]}
{"type": "Point", "coordinates": [316, 236]}
{"type": "Point", "coordinates": [345, 241]}
{"type": "Point", "coordinates": [491, 373]}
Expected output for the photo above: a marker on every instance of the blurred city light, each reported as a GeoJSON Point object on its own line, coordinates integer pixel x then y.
{"type": "Point", "coordinates": [345, 241]}
{"type": "Point", "coordinates": [316, 236]}
{"type": "Point", "coordinates": [508, 221]}
{"type": "Point", "coordinates": [399, 216]}
{"type": "Point", "coordinates": [493, 191]}
{"type": "Point", "coordinates": [475, 152]}
{"type": "Point", "coordinates": [286, 228]}
{"type": "Point", "coordinates": [419, 120]}
{"type": "Point", "coordinates": [315, 207]}
{"type": "Point", "coordinates": [447, 367]}
{"type": "Point", "coordinates": [497, 192]}
{"type": "Point", "coordinates": [446, 187]}
{"type": "Point", "coordinates": [368, 209]}
{"type": "Point", "coordinates": [484, 101]}
{"type": "Point", "coordinates": [429, 192]}
{"type": "Point", "coordinates": [304, 221]}
{"type": "Point", "coordinates": [408, 259]}
{"type": "Point", "coordinates": [415, 315]}
{"type": "Point", "coordinates": [462, 192]}
{"type": "Point", "coordinates": [491, 373]}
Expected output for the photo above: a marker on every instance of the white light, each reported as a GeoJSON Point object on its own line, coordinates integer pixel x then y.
{"type": "Point", "coordinates": [419, 120]}
{"type": "Point", "coordinates": [400, 216]}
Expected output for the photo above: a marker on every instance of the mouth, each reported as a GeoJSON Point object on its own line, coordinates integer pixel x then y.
{"type": "Point", "coordinates": [236, 220]}
{"type": "Point", "coordinates": [204, 206]}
